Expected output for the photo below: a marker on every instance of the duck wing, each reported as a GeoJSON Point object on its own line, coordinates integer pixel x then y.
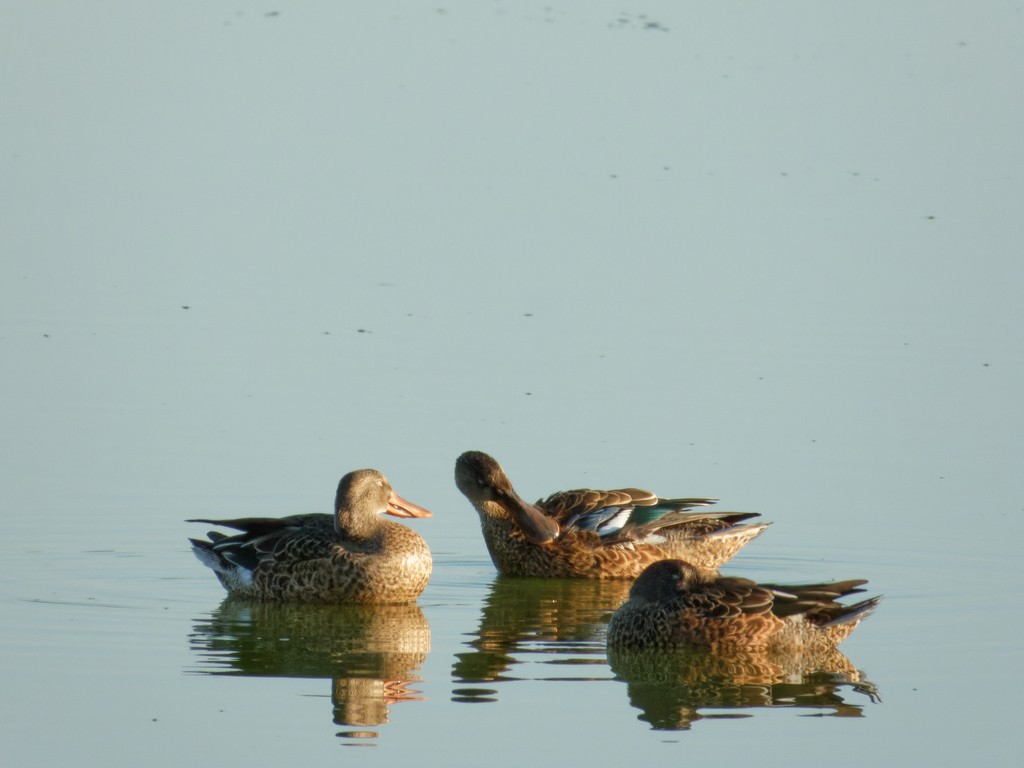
{"type": "Point", "coordinates": [295, 537]}
{"type": "Point", "coordinates": [608, 513]}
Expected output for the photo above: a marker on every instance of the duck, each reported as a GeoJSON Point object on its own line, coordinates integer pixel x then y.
{"type": "Point", "coordinates": [672, 604]}
{"type": "Point", "coordinates": [352, 556]}
{"type": "Point", "coordinates": [585, 533]}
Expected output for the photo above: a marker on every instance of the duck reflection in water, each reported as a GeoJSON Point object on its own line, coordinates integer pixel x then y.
{"type": "Point", "coordinates": [557, 624]}
{"type": "Point", "coordinates": [675, 687]}
{"type": "Point", "coordinates": [371, 653]}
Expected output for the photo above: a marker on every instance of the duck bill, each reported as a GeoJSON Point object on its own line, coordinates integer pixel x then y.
{"type": "Point", "coordinates": [399, 507]}
{"type": "Point", "coordinates": [537, 527]}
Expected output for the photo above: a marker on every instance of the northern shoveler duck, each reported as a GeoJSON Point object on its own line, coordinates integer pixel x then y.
{"type": "Point", "coordinates": [672, 604]}
{"type": "Point", "coordinates": [353, 556]}
{"type": "Point", "coordinates": [594, 534]}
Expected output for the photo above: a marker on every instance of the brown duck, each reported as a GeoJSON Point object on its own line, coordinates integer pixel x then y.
{"type": "Point", "coordinates": [673, 605]}
{"type": "Point", "coordinates": [594, 534]}
{"type": "Point", "coordinates": [353, 556]}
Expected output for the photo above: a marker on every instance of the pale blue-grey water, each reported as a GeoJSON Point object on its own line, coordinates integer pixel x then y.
{"type": "Point", "coordinates": [768, 252]}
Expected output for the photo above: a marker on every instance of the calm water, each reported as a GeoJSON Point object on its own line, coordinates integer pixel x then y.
{"type": "Point", "coordinates": [768, 254]}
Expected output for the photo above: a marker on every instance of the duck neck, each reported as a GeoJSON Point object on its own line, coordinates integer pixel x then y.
{"type": "Point", "coordinates": [355, 527]}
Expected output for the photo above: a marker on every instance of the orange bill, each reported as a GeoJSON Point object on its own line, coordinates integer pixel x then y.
{"type": "Point", "coordinates": [399, 507]}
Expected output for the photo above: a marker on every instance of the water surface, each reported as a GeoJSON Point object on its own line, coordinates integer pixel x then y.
{"type": "Point", "coordinates": [767, 254]}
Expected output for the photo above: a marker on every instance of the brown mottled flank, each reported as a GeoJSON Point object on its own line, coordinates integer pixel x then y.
{"type": "Point", "coordinates": [353, 556]}
{"type": "Point", "coordinates": [672, 605]}
{"type": "Point", "coordinates": [544, 539]}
